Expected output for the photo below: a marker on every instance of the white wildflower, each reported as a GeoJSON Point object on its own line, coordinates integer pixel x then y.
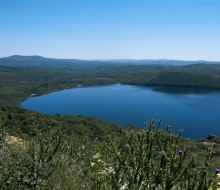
{"type": "Point", "coordinates": [96, 156]}
{"type": "Point", "coordinates": [99, 160]}
{"type": "Point", "coordinates": [125, 186]}
{"type": "Point", "coordinates": [92, 164]}
{"type": "Point", "coordinates": [111, 170]}
{"type": "Point", "coordinates": [103, 172]}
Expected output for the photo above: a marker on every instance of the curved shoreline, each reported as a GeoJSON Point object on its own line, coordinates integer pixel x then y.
{"type": "Point", "coordinates": [157, 87]}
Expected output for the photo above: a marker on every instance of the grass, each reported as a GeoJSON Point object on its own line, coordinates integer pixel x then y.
{"type": "Point", "coordinates": [147, 159]}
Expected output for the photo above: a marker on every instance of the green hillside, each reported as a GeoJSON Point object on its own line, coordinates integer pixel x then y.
{"type": "Point", "coordinates": [76, 152]}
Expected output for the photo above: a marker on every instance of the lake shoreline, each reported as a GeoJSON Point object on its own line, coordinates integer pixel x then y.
{"type": "Point", "coordinates": [137, 104]}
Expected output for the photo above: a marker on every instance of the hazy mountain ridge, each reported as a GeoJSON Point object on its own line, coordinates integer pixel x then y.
{"type": "Point", "coordinates": [18, 60]}
{"type": "Point", "coordinates": [35, 60]}
{"type": "Point", "coordinates": [160, 61]}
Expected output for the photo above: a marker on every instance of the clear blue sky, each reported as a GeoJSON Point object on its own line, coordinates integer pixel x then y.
{"type": "Point", "coordinates": [101, 29]}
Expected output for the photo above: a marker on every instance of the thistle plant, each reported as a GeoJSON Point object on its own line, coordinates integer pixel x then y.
{"type": "Point", "coordinates": [31, 166]}
{"type": "Point", "coordinates": [156, 159]}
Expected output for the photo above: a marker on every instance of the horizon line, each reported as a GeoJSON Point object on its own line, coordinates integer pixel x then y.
{"type": "Point", "coordinates": [112, 59]}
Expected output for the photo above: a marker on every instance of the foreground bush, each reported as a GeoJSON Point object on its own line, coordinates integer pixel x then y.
{"type": "Point", "coordinates": [154, 159]}
{"type": "Point", "coordinates": [148, 159]}
{"type": "Point", "coordinates": [29, 165]}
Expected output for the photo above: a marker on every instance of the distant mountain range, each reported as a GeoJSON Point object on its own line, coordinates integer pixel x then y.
{"type": "Point", "coordinates": [160, 61]}
{"type": "Point", "coordinates": [18, 60]}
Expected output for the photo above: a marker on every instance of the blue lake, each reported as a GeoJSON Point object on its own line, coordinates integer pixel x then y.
{"type": "Point", "coordinates": [197, 113]}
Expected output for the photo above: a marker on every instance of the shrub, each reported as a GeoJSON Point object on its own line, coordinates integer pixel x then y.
{"type": "Point", "coordinates": [147, 159]}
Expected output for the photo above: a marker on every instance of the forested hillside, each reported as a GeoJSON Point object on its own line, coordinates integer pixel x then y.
{"type": "Point", "coordinates": [23, 76]}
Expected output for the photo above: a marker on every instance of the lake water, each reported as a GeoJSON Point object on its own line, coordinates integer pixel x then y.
{"type": "Point", "coordinates": [197, 113]}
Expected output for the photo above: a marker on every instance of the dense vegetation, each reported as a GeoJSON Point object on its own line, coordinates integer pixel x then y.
{"type": "Point", "coordinates": [78, 152]}
{"type": "Point", "coordinates": [23, 76]}
{"type": "Point", "coordinates": [147, 159]}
